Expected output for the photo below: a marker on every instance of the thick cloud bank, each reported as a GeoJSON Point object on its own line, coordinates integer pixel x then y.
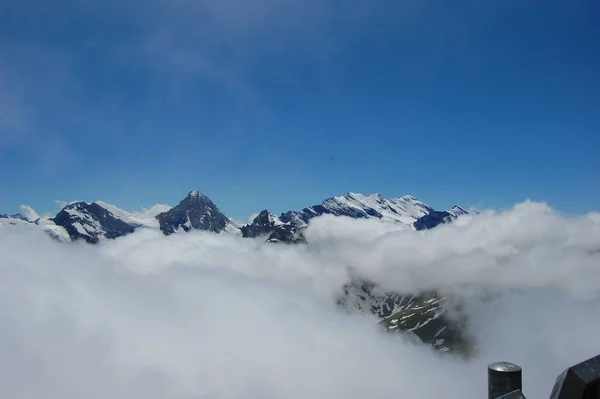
{"type": "Point", "coordinates": [201, 315]}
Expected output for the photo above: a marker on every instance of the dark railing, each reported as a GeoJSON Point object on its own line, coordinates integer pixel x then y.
{"type": "Point", "coordinates": [581, 381]}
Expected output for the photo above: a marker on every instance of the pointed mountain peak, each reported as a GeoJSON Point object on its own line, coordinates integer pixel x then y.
{"type": "Point", "coordinates": [360, 197]}
{"type": "Point", "coordinates": [196, 195]}
{"type": "Point", "coordinates": [378, 198]}
{"type": "Point", "coordinates": [75, 205]}
{"type": "Point", "coordinates": [264, 223]}
{"type": "Point", "coordinates": [195, 212]}
{"type": "Point", "coordinates": [91, 222]}
{"type": "Point", "coordinates": [264, 214]}
{"type": "Point", "coordinates": [457, 210]}
{"type": "Point", "coordinates": [288, 234]}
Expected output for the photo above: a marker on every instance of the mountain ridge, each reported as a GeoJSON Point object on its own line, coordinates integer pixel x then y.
{"type": "Point", "coordinates": [99, 220]}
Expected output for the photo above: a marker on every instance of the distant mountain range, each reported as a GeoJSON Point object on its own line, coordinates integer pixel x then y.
{"type": "Point", "coordinates": [17, 216]}
{"type": "Point", "coordinates": [98, 220]}
{"type": "Point", "coordinates": [422, 316]}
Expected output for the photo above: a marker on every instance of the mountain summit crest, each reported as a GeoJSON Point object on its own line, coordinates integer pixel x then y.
{"type": "Point", "coordinates": [99, 220]}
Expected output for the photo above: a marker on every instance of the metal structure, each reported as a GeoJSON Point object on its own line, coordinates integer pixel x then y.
{"type": "Point", "coordinates": [513, 395]}
{"type": "Point", "coordinates": [503, 378]}
{"type": "Point", "coordinates": [581, 381]}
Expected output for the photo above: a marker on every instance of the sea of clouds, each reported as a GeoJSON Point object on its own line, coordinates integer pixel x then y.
{"type": "Point", "coordinates": [202, 315]}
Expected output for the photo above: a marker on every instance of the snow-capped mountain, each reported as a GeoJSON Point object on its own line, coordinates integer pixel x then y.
{"type": "Point", "coordinates": [288, 233]}
{"type": "Point", "coordinates": [16, 216]}
{"type": "Point", "coordinates": [194, 212]}
{"type": "Point", "coordinates": [457, 211]}
{"type": "Point", "coordinates": [269, 225]}
{"type": "Point", "coordinates": [48, 226]}
{"type": "Point", "coordinates": [12, 220]}
{"type": "Point", "coordinates": [263, 224]}
{"type": "Point", "coordinates": [92, 222]}
{"type": "Point", "coordinates": [435, 218]}
{"type": "Point", "coordinates": [98, 220]}
{"type": "Point", "coordinates": [422, 316]}
{"type": "Point", "coordinates": [405, 210]}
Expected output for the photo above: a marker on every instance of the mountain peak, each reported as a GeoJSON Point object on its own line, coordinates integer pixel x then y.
{"type": "Point", "coordinates": [264, 223]}
{"type": "Point", "coordinates": [408, 197]}
{"type": "Point", "coordinates": [405, 210]}
{"type": "Point", "coordinates": [75, 204]}
{"type": "Point", "coordinates": [196, 195]}
{"type": "Point", "coordinates": [457, 210]}
{"type": "Point", "coordinates": [195, 212]}
{"type": "Point", "coordinates": [363, 197]}
{"type": "Point", "coordinates": [97, 220]}
{"type": "Point", "coordinates": [91, 222]}
{"type": "Point", "coordinates": [263, 214]}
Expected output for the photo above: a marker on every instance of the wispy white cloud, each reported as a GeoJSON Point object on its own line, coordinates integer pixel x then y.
{"type": "Point", "coordinates": [29, 213]}
{"type": "Point", "coordinates": [204, 315]}
{"type": "Point", "coordinates": [61, 203]}
{"type": "Point", "coordinates": [152, 211]}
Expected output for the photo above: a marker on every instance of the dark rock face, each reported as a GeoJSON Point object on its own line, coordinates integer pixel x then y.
{"type": "Point", "coordinates": [423, 316]}
{"type": "Point", "coordinates": [194, 212]}
{"type": "Point", "coordinates": [433, 219]}
{"type": "Point", "coordinates": [288, 233]}
{"type": "Point", "coordinates": [90, 222]}
{"type": "Point", "coordinates": [262, 225]}
{"type": "Point", "coordinates": [266, 224]}
{"type": "Point", "coordinates": [14, 216]}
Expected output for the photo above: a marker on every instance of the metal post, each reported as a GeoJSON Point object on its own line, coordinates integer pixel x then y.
{"type": "Point", "coordinates": [503, 378]}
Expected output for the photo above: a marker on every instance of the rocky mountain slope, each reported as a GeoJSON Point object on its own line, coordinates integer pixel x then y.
{"type": "Point", "coordinates": [90, 222]}
{"type": "Point", "coordinates": [288, 233]}
{"type": "Point", "coordinates": [194, 212]}
{"type": "Point", "coordinates": [424, 316]}
{"type": "Point", "coordinates": [435, 218]}
{"type": "Point", "coordinates": [268, 225]}
{"type": "Point", "coordinates": [263, 224]}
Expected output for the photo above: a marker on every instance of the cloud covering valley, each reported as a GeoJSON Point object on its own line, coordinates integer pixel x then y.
{"type": "Point", "coordinates": [201, 315]}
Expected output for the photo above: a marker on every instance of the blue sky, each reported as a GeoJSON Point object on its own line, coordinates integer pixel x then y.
{"type": "Point", "coordinates": [280, 104]}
